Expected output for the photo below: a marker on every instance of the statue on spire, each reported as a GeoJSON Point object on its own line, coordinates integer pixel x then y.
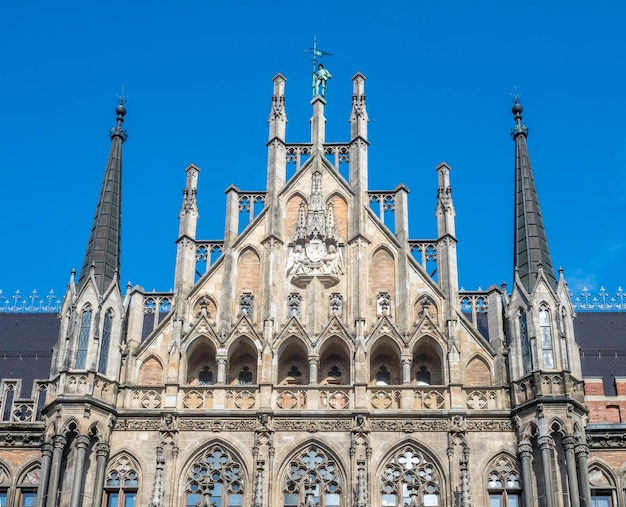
{"type": "Point", "coordinates": [320, 74]}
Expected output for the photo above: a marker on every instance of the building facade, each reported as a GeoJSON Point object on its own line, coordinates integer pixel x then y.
{"type": "Point", "coordinates": [313, 357]}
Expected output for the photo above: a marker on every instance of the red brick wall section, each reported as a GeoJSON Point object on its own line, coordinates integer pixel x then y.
{"type": "Point", "coordinates": [151, 373]}
{"type": "Point", "coordinates": [340, 211]}
{"type": "Point", "coordinates": [477, 373]}
{"type": "Point", "coordinates": [248, 272]}
{"type": "Point", "coordinates": [383, 272]}
{"type": "Point", "coordinates": [605, 409]}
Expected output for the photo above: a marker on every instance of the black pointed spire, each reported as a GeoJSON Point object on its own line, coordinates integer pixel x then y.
{"type": "Point", "coordinates": [530, 250]}
{"type": "Point", "coordinates": [103, 247]}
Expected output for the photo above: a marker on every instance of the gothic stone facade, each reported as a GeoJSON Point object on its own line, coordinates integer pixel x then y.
{"type": "Point", "coordinates": [315, 361]}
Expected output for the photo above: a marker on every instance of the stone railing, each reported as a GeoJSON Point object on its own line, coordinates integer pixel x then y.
{"type": "Point", "coordinates": [547, 384]}
{"type": "Point", "coordinates": [14, 409]}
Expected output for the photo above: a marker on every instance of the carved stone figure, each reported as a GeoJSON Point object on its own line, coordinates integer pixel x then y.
{"type": "Point", "coordinates": [320, 76]}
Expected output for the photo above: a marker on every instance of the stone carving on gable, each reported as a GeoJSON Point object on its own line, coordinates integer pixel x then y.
{"type": "Point", "coordinates": [315, 252]}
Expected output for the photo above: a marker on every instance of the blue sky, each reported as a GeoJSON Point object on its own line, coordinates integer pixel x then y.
{"type": "Point", "coordinates": [198, 76]}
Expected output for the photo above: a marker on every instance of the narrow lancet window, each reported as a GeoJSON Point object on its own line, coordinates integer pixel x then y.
{"type": "Point", "coordinates": [525, 343]}
{"type": "Point", "coordinates": [546, 337]}
{"type": "Point", "coordinates": [104, 344]}
{"type": "Point", "coordinates": [83, 339]}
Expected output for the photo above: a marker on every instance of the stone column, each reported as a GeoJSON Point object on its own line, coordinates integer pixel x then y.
{"type": "Point", "coordinates": [221, 369]}
{"type": "Point", "coordinates": [572, 478]}
{"type": "Point", "coordinates": [525, 453]}
{"type": "Point", "coordinates": [59, 442]}
{"type": "Point", "coordinates": [81, 443]}
{"type": "Point", "coordinates": [406, 369]}
{"type": "Point", "coordinates": [46, 458]}
{"type": "Point", "coordinates": [546, 444]}
{"type": "Point", "coordinates": [314, 362]}
{"type": "Point", "coordinates": [102, 456]}
{"type": "Point", "coordinates": [582, 451]}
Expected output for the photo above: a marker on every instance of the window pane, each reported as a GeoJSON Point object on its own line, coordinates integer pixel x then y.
{"type": "Point", "coordinates": [332, 500]}
{"type": "Point", "coordinates": [3, 498]}
{"type": "Point", "coordinates": [600, 500]}
{"type": "Point", "coordinates": [130, 499]}
{"type": "Point", "coordinates": [431, 500]}
{"type": "Point", "coordinates": [495, 500]}
{"type": "Point", "coordinates": [28, 499]}
{"type": "Point", "coordinates": [389, 500]}
{"type": "Point", "coordinates": [112, 500]}
{"type": "Point", "coordinates": [513, 500]}
{"type": "Point", "coordinates": [192, 500]}
{"type": "Point", "coordinates": [235, 500]}
{"type": "Point", "coordinates": [291, 499]}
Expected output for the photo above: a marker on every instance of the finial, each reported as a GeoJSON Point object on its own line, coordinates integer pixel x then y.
{"type": "Point", "coordinates": [121, 100]}
{"type": "Point", "coordinates": [517, 111]}
{"type": "Point", "coordinates": [120, 111]}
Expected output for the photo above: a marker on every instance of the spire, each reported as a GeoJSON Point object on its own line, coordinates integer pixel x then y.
{"type": "Point", "coordinates": [103, 247]}
{"type": "Point", "coordinates": [530, 250]}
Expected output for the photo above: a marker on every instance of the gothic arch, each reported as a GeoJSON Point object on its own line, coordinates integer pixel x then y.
{"type": "Point", "coordinates": [5, 475]}
{"type": "Point", "coordinates": [385, 362]}
{"type": "Point", "coordinates": [291, 213]}
{"type": "Point", "coordinates": [215, 471]}
{"type": "Point", "coordinates": [428, 361]}
{"type": "Point", "coordinates": [291, 361]}
{"type": "Point", "coordinates": [71, 426]}
{"type": "Point", "coordinates": [313, 471]}
{"type": "Point", "coordinates": [558, 427]}
{"type": "Point", "coordinates": [423, 305]}
{"type": "Point", "coordinates": [200, 361]}
{"type": "Point", "coordinates": [478, 372]}
{"type": "Point", "coordinates": [243, 361]}
{"type": "Point", "coordinates": [150, 371]}
{"type": "Point", "coordinates": [340, 211]}
{"type": "Point", "coordinates": [335, 363]}
{"type": "Point", "coordinates": [204, 302]}
{"type": "Point", "coordinates": [123, 477]}
{"type": "Point", "coordinates": [28, 475]}
{"type": "Point", "coordinates": [409, 464]}
{"type": "Point", "coordinates": [383, 271]}
{"type": "Point", "coordinates": [248, 271]}
{"type": "Point", "coordinates": [503, 479]}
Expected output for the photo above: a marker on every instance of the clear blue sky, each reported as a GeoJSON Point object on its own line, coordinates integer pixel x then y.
{"type": "Point", "coordinates": [198, 76]}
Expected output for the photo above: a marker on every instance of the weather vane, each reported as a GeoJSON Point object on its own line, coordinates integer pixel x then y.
{"type": "Point", "coordinates": [516, 95]}
{"type": "Point", "coordinates": [122, 98]}
{"type": "Point", "coordinates": [320, 74]}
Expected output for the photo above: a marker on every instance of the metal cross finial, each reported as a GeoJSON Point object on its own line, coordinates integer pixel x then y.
{"type": "Point", "coordinates": [122, 98]}
{"type": "Point", "coordinates": [516, 95]}
{"type": "Point", "coordinates": [316, 52]}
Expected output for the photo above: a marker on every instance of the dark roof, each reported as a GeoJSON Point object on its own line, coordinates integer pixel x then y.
{"type": "Point", "coordinates": [602, 340]}
{"type": "Point", "coordinates": [26, 342]}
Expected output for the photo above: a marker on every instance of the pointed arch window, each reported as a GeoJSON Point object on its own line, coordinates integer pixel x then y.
{"type": "Point", "coordinates": [312, 478]}
{"type": "Point", "coordinates": [525, 343]}
{"type": "Point", "coordinates": [602, 490]}
{"type": "Point", "coordinates": [121, 484]}
{"type": "Point", "coordinates": [5, 483]}
{"type": "Point", "coordinates": [105, 342]}
{"type": "Point", "coordinates": [410, 478]}
{"type": "Point", "coordinates": [503, 483]}
{"type": "Point", "coordinates": [205, 377]}
{"type": "Point", "coordinates": [564, 348]}
{"type": "Point", "coordinates": [83, 338]}
{"type": "Point", "coordinates": [215, 479]}
{"type": "Point", "coordinates": [546, 337]}
{"type": "Point", "coordinates": [383, 376]}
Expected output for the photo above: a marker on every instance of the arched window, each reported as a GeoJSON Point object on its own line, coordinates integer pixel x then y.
{"type": "Point", "coordinates": [215, 478]}
{"type": "Point", "coordinates": [503, 483]}
{"type": "Point", "coordinates": [410, 478]}
{"type": "Point", "coordinates": [122, 483]}
{"type": "Point", "coordinates": [383, 376]}
{"type": "Point", "coordinates": [245, 377]}
{"type": "Point", "coordinates": [104, 343]}
{"type": "Point", "coordinates": [205, 377]}
{"type": "Point", "coordinates": [26, 492]}
{"type": "Point", "coordinates": [525, 343]}
{"type": "Point", "coordinates": [83, 338]}
{"type": "Point", "coordinates": [312, 478]}
{"type": "Point", "coordinates": [5, 483]}
{"type": "Point", "coordinates": [423, 377]}
{"type": "Point", "coordinates": [564, 348]}
{"type": "Point", "coordinates": [602, 490]}
{"type": "Point", "coordinates": [546, 337]}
